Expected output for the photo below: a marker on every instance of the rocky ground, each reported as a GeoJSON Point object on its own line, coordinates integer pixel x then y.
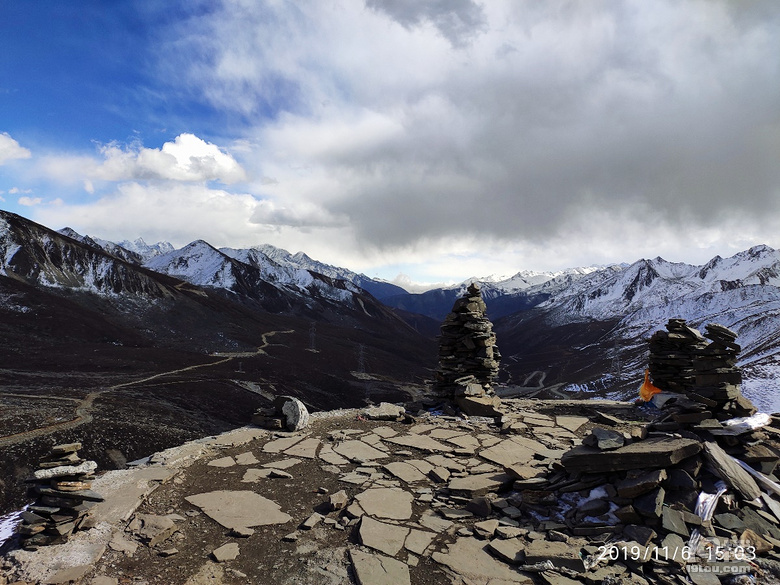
{"type": "Point", "coordinates": [426, 499]}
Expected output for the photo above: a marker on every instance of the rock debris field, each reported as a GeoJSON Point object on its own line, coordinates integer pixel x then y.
{"type": "Point", "coordinates": [424, 499]}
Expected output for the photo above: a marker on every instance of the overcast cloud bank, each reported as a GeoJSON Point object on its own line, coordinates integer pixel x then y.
{"type": "Point", "coordinates": [456, 138]}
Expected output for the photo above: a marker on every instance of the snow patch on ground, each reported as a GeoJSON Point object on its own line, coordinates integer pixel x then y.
{"type": "Point", "coordinates": [8, 524]}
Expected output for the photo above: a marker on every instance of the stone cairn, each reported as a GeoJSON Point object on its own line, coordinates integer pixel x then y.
{"type": "Point", "coordinates": [642, 488]}
{"type": "Point", "coordinates": [62, 485]}
{"type": "Point", "coordinates": [683, 361]}
{"type": "Point", "coordinates": [468, 357]}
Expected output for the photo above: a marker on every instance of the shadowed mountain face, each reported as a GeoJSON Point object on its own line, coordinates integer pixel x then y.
{"type": "Point", "coordinates": [128, 360]}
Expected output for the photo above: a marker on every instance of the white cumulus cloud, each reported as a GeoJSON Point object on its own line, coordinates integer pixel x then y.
{"type": "Point", "coordinates": [187, 158]}
{"type": "Point", "coordinates": [10, 149]}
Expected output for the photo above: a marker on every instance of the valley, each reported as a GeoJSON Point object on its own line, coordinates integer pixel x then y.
{"type": "Point", "coordinates": [135, 349]}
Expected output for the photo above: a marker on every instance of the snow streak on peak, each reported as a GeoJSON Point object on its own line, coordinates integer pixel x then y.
{"type": "Point", "coordinates": [146, 251]}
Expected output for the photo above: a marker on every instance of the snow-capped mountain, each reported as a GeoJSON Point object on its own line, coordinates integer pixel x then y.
{"type": "Point", "coordinates": [504, 295]}
{"type": "Point", "coordinates": [36, 254]}
{"type": "Point", "coordinates": [622, 307]}
{"type": "Point", "coordinates": [378, 288]}
{"type": "Point", "coordinates": [253, 274]}
{"type": "Point", "coordinates": [143, 250]}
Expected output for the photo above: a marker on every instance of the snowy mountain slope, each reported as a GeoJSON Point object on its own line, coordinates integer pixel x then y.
{"type": "Point", "coordinates": [251, 274]}
{"type": "Point", "coordinates": [247, 272]}
{"type": "Point", "coordinates": [378, 288]}
{"type": "Point", "coordinates": [142, 249]}
{"type": "Point", "coordinates": [109, 247]}
{"type": "Point", "coordinates": [503, 296]}
{"type": "Point", "coordinates": [741, 292]}
{"type": "Point", "coordinates": [37, 255]}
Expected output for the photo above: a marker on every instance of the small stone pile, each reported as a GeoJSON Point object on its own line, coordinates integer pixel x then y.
{"type": "Point", "coordinates": [63, 486]}
{"type": "Point", "coordinates": [468, 356]}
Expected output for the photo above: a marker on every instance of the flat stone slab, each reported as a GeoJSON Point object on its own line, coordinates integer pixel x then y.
{"type": "Point", "coordinates": [571, 423]}
{"type": "Point", "coordinates": [469, 558]}
{"type": "Point", "coordinates": [247, 458]}
{"type": "Point", "coordinates": [279, 445]}
{"type": "Point", "coordinates": [476, 485]}
{"type": "Point", "coordinates": [507, 453]}
{"type": "Point", "coordinates": [226, 552]}
{"type": "Point", "coordinates": [253, 474]}
{"type": "Point", "coordinates": [392, 503]}
{"type": "Point", "coordinates": [731, 472]}
{"type": "Point", "coordinates": [306, 449]}
{"type": "Point", "coordinates": [560, 554]}
{"type": "Point", "coordinates": [422, 442]}
{"type": "Point", "coordinates": [465, 442]}
{"type": "Point", "coordinates": [386, 538]}
{"type": "Point", "coordinates": [222, 462]}
{"type": "Point", "coordinates": [282, 464]}
{"type": "Point", "coordinates": [151, 528]}
{"type": "Point", "coordinates": [418, 541]}
{"type": "Point", "coordinates": [405, 472]}
{"type": "Point", "coordinates": [235, 509]}
{"type": "Point", "coordinates": [655, 453]}
{"type": "Point", "coordinates": [355, 449]}
{"type": "Point", "coordinates": [378, 569]}
{"type": "Point", "coordinates": [123, 491]}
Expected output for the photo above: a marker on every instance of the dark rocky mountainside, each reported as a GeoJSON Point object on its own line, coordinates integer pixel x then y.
{"type": "Point", "coordinates": [136, 360]}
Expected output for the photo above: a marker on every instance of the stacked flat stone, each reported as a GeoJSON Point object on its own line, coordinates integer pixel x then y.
{"type": "Point", "coordinates": [468, 355]}
{"type": "Point", "coordinates": [62, 485]}
{"type": "Point", "coordinates": [717, 376]}
{"type": "Point", "coordinates": [704, 370]}
{"type": "Point", "coordinates": [672, 355]}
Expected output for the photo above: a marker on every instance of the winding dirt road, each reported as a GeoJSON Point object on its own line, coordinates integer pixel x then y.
{"type": "Point", "coordinates": [83, 413]}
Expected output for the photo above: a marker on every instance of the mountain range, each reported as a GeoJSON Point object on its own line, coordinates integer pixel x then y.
{"type": "Point", "coordinates": [591, 323]}
{"type": "Point", "coordinates": [160, 345]}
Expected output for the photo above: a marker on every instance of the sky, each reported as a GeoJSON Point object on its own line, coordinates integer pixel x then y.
{"type": "Point", "coordinates": [422, 141]}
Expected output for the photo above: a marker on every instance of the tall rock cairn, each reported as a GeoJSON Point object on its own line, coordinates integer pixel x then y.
{"type": "Point", "coordinates": [468, 356]}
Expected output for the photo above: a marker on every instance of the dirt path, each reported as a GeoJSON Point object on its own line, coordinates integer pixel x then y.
{"type": "Point", "coordinates": [84, 409]}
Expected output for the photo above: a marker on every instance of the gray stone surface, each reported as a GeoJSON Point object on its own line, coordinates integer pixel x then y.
{"type": "Point", "coordinates": [378, 569]}
{"type": "Point", "coordinates": [731, 472]}
{"type": "Point", "coordinates": [226, 552]}
{"type": "Point", "coordinates": [239, 508]}
{"type": "Point", "coordinates": [392, 503]}
{"type": "Point", "coordinates": [386, 538]}
{"type": "Point", "coordinates": [651, 453]}
{"type": "Point", "coordinates": [152, 529]}
{"type": "Point", "coordinates": [385, 411]}
{"type": "Point", "coordinates": [405, 472]}
{"type": "Point", "coordinates": [422, 442]}
{"type": "Point", "coordinates": [475, 485]}
{"type": "Point", "coordinates": [63, 470]}
{"type": "Point", "coordinates": [469, 558]}
{"type": "Point", "coordinates": [354, 449]}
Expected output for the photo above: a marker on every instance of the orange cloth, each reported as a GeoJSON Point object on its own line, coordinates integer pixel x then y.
{"type": "Point", "coordinates": [647, 389]}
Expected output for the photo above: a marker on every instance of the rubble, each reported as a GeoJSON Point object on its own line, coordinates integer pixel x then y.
{"type": "Point", "coordinates": [560, 492]}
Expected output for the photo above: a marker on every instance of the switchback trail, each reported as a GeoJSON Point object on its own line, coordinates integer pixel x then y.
{"type": "Point", "coordinates": [84, 409]}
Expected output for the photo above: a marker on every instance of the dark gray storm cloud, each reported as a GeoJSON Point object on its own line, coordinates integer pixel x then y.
{"type": "Point", "coordinates": [672, 114]}
{"type": "Point", "coordinates": [528, 122]}
{"type": "Point", "coordinates": [456, 20]}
